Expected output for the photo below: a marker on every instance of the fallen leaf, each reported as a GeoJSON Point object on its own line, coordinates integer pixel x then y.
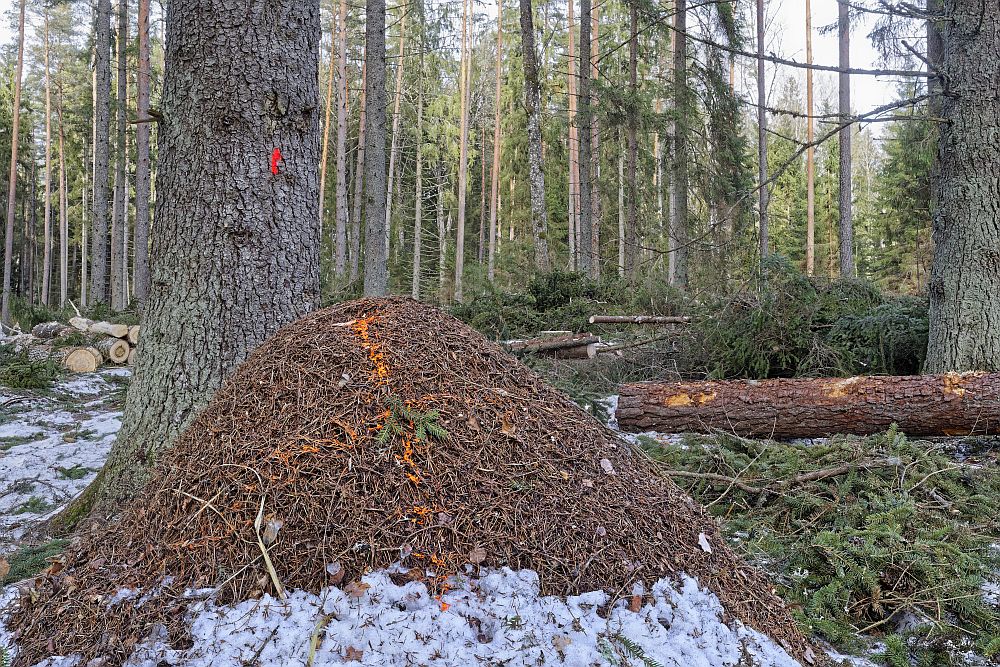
{"type": "Point", "coordinates": [703, 543]}
{"type": "Point", "coordinates": [353, 654]}
{"type": "Point", "coordinates": [561, 642]}
{"type": "Point", "coordinates": [635, 604]}
{"type": "Point", "coordinates": [272, 525]}
{"type": "Point", "coordinates": [336, 572]}
{"type": "Point", "coordinates": [607, 467]}
{"type": "Point", "coordinates": [356, 589]}
{"type": "Point", "coordinates": [4, 568]}
{"type": "Point", "coordinates": [477, 555]}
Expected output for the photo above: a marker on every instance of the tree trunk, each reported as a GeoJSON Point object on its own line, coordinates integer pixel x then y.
{"type": "Point", "coordinates": [846, 186]}
{"type": "Point", "coordinates": [680, 159]}
{"type": "Point", "coordinates": [119, 284]}
{"type": "Point", "coordinates": [340, 240]}
{"type": "Point", "coordinates": [584, 138]}
{"type": "Point", "coordinates": [442, 231]}
{"type": "Point", "coordinates": [536, 177]}
{"type": "Point", "coordinates": [47, 214]}
{"type": "Point", "coordinates": [394, 143]}
{"type": "Point", "coordinates": [63, 207]}
{"type": "Point", "coordinates": [419, 185]}
{"type": "Point", "coordinates": [810, 153]}
{"type": "Point", "coordinates": [964, 299]}
{"type": "Point", "coordinates": [324, 158]}
{"type": "Point", "coordinates": [495, 174]}
{"type": "Point", "coordinates": [236, 246]}
{"type": "Point", "coordinates": [632, 128]}
{"type": "Point", "coordinates": [8, 252]}
{"type": "Point", "coordinates": [99, 292]}
{"type": "Point", "coordinates": [762, 192]}
{"type": "Point", "coordinates": [140, 271]}
{"type": "Point", "coordinates": [621, 214]}
{"type": "Point", "coordinates": [595, 147]}
{"type": "Point", "coordinates": [359, 174]}
{"type": "Point", "coordinates": [376, 258]}
{"type": "Point", "coordinates": [922, 405]}
{"type": "Point", "coordinates": [463, 152]}
{"type": "Point", "coordinates": [573, 186]}
{"type": "Point", "coordinates": [480, 249]}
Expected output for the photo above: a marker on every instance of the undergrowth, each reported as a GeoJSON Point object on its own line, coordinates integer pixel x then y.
{"type": "Point", "coordinates": [26, 562]}
{"type": "Point", "coordinates": [896, 544]}
{"type": "Point", "coordinates": [18, 371]}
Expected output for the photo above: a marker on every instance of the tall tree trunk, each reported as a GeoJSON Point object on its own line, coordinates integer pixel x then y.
{"type": "Point", "coordinates": [84, 284]}
{"type": "Point", "coordinates": [99, 291]}
{"type": "Point", "coordinates": [584, 139]}
{"type": "Point", "coordinates": [680, 159]}
{"type": "Point", "coordinates": [359, 174]}
{"type": "Point", "coordinates": [119, 285]}
{"type": "Point", "coordinates": [419, 185]}
{"type": "Point", "coordinates": [595, 141]}
{"type": "Point", "coordinates": [442, 231]}
{"type": "Point", "coordinates": [15, 134]}
{"type": "Point", "coordinates": [33, 217]}
{"type": "Point", "coordinates": [236, 246]}
{"type": "Point", "coordinates": [463, 153]}
{"type": "Point", "coordinates": [573, 189]}
{"type": "Point", "coordinates": [376, 258]}
{"type": "Point", "coordinates": [536, 178]}
{"type": "Point", "coordinates": [63, 207]}
{"type": "Point", "coordinates": [762, 191]}
{"type": "Point", "coordinates": [846, 187]}
{"type": "Point", "coordinates": [964, 299]}
{"type": "Point", "coordinates": [621, 214]}
{"type": "Point", "coordinates": [47, 215]}
{"type": "Point", "coordinates": [324, 159]}
{"type": "Point", "coordinates": [140, 272]}
{"type": "Point", "coordinates": [632, 130]}
{"type": "Point", "coordinates": [394, 143]}
{"type": "Point", "coordinates": [495, 172]}
{"type": "Point", "coordinates": [810, 153]}
{"type": "Point", "coordinates": [480, 249]}
{"type": "Point", "coordinates": [340, 239]}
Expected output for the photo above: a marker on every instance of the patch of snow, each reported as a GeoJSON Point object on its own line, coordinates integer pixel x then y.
{"type": "Point", "coordinates": [497, 619]}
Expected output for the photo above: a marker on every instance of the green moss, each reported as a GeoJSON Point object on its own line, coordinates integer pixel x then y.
{"type": "Point", "coordinates": [29, 561]}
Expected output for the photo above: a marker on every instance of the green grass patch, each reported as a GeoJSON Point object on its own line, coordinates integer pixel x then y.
{"type": "Point", "coordinates": [889, 537]}
{"type": "Point", "coordinates": [11, 441]}
{"type": "Point", "coordinates": [34, 505]}
{"type": "Point", "coordinates": [74, 472]}
{"type": "Point", "coordinates": [26, 562]}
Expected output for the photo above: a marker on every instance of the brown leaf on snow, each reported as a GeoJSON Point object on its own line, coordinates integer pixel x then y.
{"type": "Point", "coordinates": [635, 604]}
{"type": "Point", "coordinates": [4, 568]}
{"type": "Point", "coordinates": [356, 589]}
{"type": "Point", "coordinates": [352, 654]}
{"type": "Point", "coordinates": [477, 555]}
{"type": "Point", "coordinates": [561, 642]}
{"type": "Point", "coordinates": [336, 573]}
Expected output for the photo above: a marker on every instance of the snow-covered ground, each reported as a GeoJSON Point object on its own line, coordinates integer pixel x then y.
{"type": "Point", "coordinates": [52, 445]}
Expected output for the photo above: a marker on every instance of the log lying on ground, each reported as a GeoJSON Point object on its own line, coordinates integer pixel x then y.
{"type": "Point", "coordinates": [922, 405]}
{"type": "Point", "coordinates": [551, 344]}
{"type": "Point", "coordinates": [114, 350]}
{"type": "Point", "coordinates": [639, 319]}
{"type": "Point", "coordinates": [133, 335]}
{"type": "Point", "coordinates": [107, 328]}
{"type": "Point", "coordinates": [50, 330]}
{"type": "Point", "coordinates": [73, 359]}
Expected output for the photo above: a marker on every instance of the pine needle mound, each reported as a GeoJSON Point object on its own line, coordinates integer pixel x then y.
{"type": "Point", "coordinates": [373, 432]}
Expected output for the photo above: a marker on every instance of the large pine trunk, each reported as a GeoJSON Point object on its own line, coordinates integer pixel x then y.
{"type": "Point", "coordinates": [235, 246]}
{"type": "Point", "coordinates": [376, 279]}
{"type": "Point", "coordinates": [463, 152]}
{"type": "Point", "coordinates": [119, 216]}
{"type": "Point", "coordinates": [340, 239]}
{"type": "Point", "coordinates": [140, 271]}
{"type": "Point", "coordinates": [584, 140]}
{"type": "Point", "coordinates": [536, 173]}
{"type": "Point", "coordinates": [964, 299]}
{"type": "Point", "coordinates": [102, 154]}
{"type": "Point", "coordinates": [846, 230]}
{"type": "Point", "coordinates": [679, 162]}
{"type": "Point", "coordinates": [921, 405]}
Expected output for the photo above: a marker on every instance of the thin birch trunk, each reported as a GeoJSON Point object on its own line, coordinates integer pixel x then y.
{"type": "Point", "coordinates": [442, 231]}
{"type": "Point", "coordinates": [83, 235]}
{"type": "Point", "coordinates": [621, 214]}
{"type": "Point", "coordinates": [480, 248]}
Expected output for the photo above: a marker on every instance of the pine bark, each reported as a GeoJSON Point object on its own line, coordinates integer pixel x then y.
{"type": "Point", "coordinates": [536, 173]}
{"type": "Point", "coordinates": [463, 154]}
{"type": "Point", "coordinates": [846, 236]}
{"type": "Point", "coordinates": [964, 299]}
{"type": "Point", "coordinates": [631, 240]}
{"type": "Point", "coordinates": [99, 292]}
{"type": "Point", "coordinates": [47, 213]}
{"type": "Point", "coordinates": [119, 282]}
{"type": "Point", "coordinates": [340, 239]}
{"type": "Point", "coordinates": [584, 137]}
{"type": "Point", "coordinates": [143, 179]}
{"type": "Point", "coordinates": [573, 186]}
{"type": "Point", "coordinates": [8, 252]}
{"type": "Point", "coordinates": [359, 175]}
{"type": "Point", "coordinates": [595, 145]}
{"type": "Point", "coordinates": [376, 281]}
{"type": "Point", "coordinates": [63, 207]}
{"type": "Point", "coordinates": [418, 216]}
{"type": "Point", "coordinates": [680, 158]}
{"type": "Point", "coordinates": [495, 172]}
{"type": "Point", "coordinates": [236, 248]}
{"type": "Point", "coordinates": [394, 142]}
{"type": "Point", "coordinates": [762, 185]}
{"type": "Point", "coordinates": [921, 405]}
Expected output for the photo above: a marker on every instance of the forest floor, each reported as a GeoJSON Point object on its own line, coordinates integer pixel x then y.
{"type": "Point", "coordinates": [53, 442]}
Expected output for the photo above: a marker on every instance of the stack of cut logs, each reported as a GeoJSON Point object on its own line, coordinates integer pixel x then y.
{"type": "Point", "coordinates": [103, 342]}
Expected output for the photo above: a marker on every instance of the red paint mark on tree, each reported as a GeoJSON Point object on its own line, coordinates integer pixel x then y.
{"type": "Point", "coordinates": [275, 159]}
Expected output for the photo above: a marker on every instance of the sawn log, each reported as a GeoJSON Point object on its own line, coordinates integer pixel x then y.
{"type": "Point", "coordinates": [921, 405]}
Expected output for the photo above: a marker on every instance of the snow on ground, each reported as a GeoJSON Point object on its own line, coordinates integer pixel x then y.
{"type": "Point", "coordinates": [498, 618]}
{"type": "Point", "coordinates": [51, 447]}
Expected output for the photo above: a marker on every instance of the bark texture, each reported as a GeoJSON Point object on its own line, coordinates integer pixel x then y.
{"type": "Point", "coordinates": [762, 185]}
{"type": "Point", "coordinates": [846, 235]}
{"type": "Point", "coordinates": [8, 250]}
{"type": "Point", "coordinates": [965, 274]}
{"type": "Point", "coordinates": [585, 138]}
{"type": "Point", "coordinates": [631, 236]}
{"type": "Point", "coordinates": [536, 174]}
{"type": "Point", "coordinates": [376, 258]}
{"type": "Point", "coordinates": [810, 153]}
{"type": "Point", "coordinates": [679, 159]}
{"type": "Point", "coordinates": [119, 217]}
{"type": "Point", "coordinates": [340, 239]}
{"type": "Point", "coordinates": [463, 152]}
{"type": "Point", "coordinates": [140, 271]}
{"type": "Point", "coordinates": [102, 154]}
{"type": "Point", "coordinates": [235, 250]}
{"type": "Point", "coordinates": [922, 405]}
{"type": "Point", "coordinates": [495, 172]}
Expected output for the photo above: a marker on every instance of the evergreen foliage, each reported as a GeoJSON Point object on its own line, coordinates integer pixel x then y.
{"type": "Point", "coordinates": [18, 371]}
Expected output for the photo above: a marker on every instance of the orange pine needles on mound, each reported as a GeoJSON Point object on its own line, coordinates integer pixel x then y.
{"type": "Point", "coordinates": [373, 432]}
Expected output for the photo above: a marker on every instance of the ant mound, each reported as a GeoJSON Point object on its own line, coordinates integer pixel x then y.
{"type": "Point", "coordinates": [377, 432]}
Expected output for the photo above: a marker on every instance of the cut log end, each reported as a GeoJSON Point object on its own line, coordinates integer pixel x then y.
{"type": "Point", "coordinates": [79, 360]}
{"type": "Point", "coordinates": [114, 350]}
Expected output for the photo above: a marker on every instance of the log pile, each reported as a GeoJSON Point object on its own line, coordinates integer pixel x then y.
{"type": "Point", "coordinates": [99, 343]}
{"type": "Point", "coordinates": [921, 405]}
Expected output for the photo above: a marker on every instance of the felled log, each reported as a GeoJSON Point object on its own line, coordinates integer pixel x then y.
{"type": "Point", "coordinates": [131, 357]}
{"type": "Point", "coordinates": [73, 359]}
{"type": "Point", "coordinates": [50, 330]}
{"type": "Point", "coordinates": [551, 344]}
{"type": "Point", "coordinates": [133, 335]}
{"type": "Point", "coordinates": [114, 350]}
{"type": "Point", "coordinates": [922, 405]}
{"type": "Point", "coordinates": [588, 351]}
{"type": "Point", "coordinates": [107, 328]}
{"type": "Point", "coordinates": [639, 319]}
